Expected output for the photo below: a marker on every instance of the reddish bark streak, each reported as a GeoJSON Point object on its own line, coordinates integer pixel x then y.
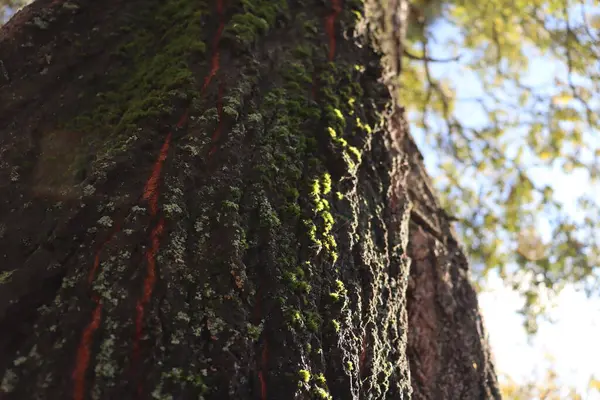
{"type": "Point", "coordinates": [256, 311]}
{"type": "Point", "coordinates": [363, 354]}
{"type": "Point", "coordinates": [84, 352]}
{"type": "Point", "coordinates": [151, 195]}
{"type": "Point", "coordinates": [217, 132]}
{"type": "Point", "coordinates": [148, 286]}
{"type": "Point", "coordinates": [262, 373]}
{"type": "Point", "coordinates": [215, 65]}
{"type": "Point", "coordinates": [96, 265]}
{"type": "Point", "coordinates": [315, 87]}
{"type": "Point", "coordinates": [151, 188]}
{"type": "Point", "coordinates": [215, 61]}
{"type": "Point", "coordinates": [330, 26]}
{"type": "Point", "coordinates": [183, 119]}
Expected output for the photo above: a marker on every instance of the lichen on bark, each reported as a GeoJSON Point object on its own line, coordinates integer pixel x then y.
{"type": "Point", "coordinates": [241, 228]}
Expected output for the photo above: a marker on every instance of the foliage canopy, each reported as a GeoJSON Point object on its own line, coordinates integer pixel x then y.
{"type": "Point", "coordinates": [505, 94]}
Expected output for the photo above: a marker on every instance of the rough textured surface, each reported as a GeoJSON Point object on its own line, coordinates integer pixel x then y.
{"type": "Point", "coordinates": [447, 345]}
{"type": "Point", "coordinates": [208, 199]}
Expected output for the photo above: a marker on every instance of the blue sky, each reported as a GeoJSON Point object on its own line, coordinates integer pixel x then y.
{"type": "Point", "coordinates": [573, 340]}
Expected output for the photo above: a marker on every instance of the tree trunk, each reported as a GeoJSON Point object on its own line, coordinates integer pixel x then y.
{"type": "Point", "coordinates": [219, 200]}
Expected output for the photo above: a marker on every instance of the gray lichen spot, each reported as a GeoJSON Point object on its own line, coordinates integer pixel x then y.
{"type": "Point", "coordinates": [40, 23]}
{"type": "Point", "coordinates": [105, 221]}
{"type": "Point", "coordinates": [6, 275]}
{"type": "Point", "coordinates": [231, 112]}
{"type": "Point", "coordinates": [138, 209]}
{"type": "Point", "coordinates": [19, 360]}
{"type": "Point", "coordinates": [14, 174]}
{"type": "Point", "coordinates": [70, 6]}
{"type": "Point", "coordinates": [177, 247]}
{"type": "Point", "coordinates": [159, 395]}
{"type": "Point", "coordinates": [171, 209]}
{"type": "Point", "coordinates": [255, 330]}
{"type": "Point", "coordinates": [194, 150]}
{"type": "Point", "coordinates": [106, 369]}
{"type": "Point", "coordinates": [254, 118]}
{"type": "Point", "coordinates": [183, 316]}
{"type": "Point", "coordinates": [9, 381]}
{"type": "Point", "coordinates": [110, 206]}
{"type": "Point", "coordinates": [199, 224]}
{"type": "Point", "coordinates": [215, 324]}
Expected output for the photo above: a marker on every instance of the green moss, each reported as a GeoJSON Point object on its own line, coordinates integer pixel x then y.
{"type": "Point", "coordinates": [254, 331]}
{"type": "Point", "coordinates": [236, 193]}
{"type": "Point", "coordinates": [311, 27]}
{"type": "Point", "coordinates": [351, 101]}
{"type": "Point", "coordinates": [295, 280]}
{"type": "Point", "coordinates": [268, 215]}
{"type": "Point", "coordinates": [304, 375]}
{"type": "Point", "coordinates": [296, 73]}
{"type": "Point", "coordinates": [293, 209]}
{"type": "Point", "coordinates": [312, 232]}
{"type": "Point", "coordinates": [6, 276]}
{"type": "Point", "coordinates": [327, 221]}
{"type": "Point", "coordinates": [320, 205]}
{"type": "Point", "coordinates": [229, 205]}
{"type": "Point", "coordinates": [254, 118]}
{"type": "Point", "coordinates": [336, 325]}
{"type": "Point", "coordinates": [246, 28]}
{"type": "Point", "coordinates": [339, 292]}
{"type": "Point", "coordinates": [320, 380]}
{"type": "Point", "coordinates": [326, 183]}
{"type": "Point", "coordinates": [145, 80]}
{"type": "Point", "coordinates": [299, 272]}
{"type": "Point", "coordinates": [362, 126]}
{"type": "Point", "coordinates": [342, 142]}
{"type": "Point", "coordinates": [321, 393]}
{"type": "Point", "coordinates": [315, 189]}
{"type": "Point", "coordinates": [355, 152]}
{"type": "Point", "coordinates": [178, 376]}
{"type": "Point", "coordinates": [231, 112]}
{"type": "Point", "coordinates": [350, 162]}
{"type": "Point", "coordinates": [292, 193]}
{"type": "Point", "coordinates": [267, 9]}
{"type": "Point", "coordinates": [295, 317]}
{"type": "Point", "coordinates": [332, 132]}
{"type": "Point", "coordinates": [258, 17]}
{"type": "Point", "coordinates": [303, 287]}
{"type": "Point", "coordinates": [303, 51]}
{"type": "Point", "coordinates": [313, 321]}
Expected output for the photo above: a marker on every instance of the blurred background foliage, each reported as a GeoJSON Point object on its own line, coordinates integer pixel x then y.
{"type": "Point", "coordinates": [545, 385]}
{"type": "Point", "coordinates": [7, 7]}
{"type": "Point", "coordinates": [498, 150]}
{"type": "Point", "coordinates": [488, 159]}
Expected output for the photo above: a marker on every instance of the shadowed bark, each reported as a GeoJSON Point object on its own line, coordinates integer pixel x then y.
{"type": "Point", "coordinates": [219, 200]}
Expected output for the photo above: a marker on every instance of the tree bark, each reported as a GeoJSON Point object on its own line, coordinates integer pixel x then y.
{"type": "Point", "coordinates": [220, 200]}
